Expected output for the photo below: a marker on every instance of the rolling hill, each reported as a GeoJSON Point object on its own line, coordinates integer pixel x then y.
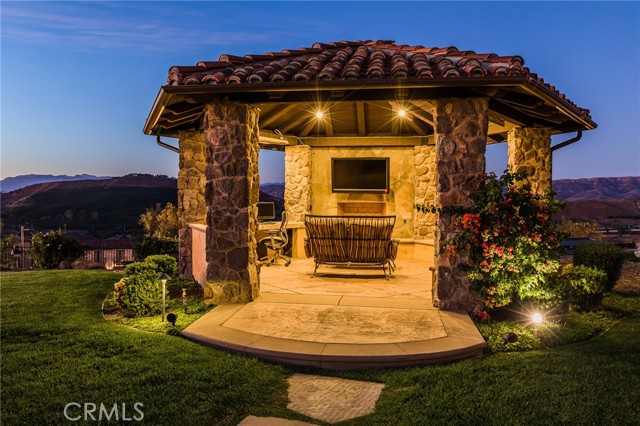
{"type": "Point", "coordinates": [13, 183]}
{"type": "Point", "coordinates": [107, 206]}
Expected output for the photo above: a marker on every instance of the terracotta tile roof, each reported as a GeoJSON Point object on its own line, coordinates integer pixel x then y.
{"type": "Point", "coordinates": [355, 60]}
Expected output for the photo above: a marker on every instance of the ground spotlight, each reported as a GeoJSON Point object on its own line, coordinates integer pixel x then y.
{"type": "Point", "coordinates": [537, 318]}
{"type": "Point", "coordinates": [172, 318]}
{"type": "Point", "coordinates": [509, 337]}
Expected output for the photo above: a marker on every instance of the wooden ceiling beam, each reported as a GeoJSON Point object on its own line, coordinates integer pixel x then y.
{"type": "Point", "coordinates": [293, 122]}
{"type": "Point", "coordinates": [362, 128]}
{"type": "Point", "coordinates": [275, 116]}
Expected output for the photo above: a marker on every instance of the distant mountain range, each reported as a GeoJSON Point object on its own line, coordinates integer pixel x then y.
{"type": "Point", "coordinates": [111, 204]}
{"type": "Point", "coordinates": [597, 188]}
{"type": "Point", "coordinates": [9, 184]}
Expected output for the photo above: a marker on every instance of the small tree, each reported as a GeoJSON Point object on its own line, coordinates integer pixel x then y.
{"type": "Point", "coordinates": [161, 227]}
{"type": "Point", "coordinates": [48, 250]}
{"type": "Point", "coordinates": [161, 222]}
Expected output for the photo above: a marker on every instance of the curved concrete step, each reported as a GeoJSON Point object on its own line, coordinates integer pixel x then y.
{"type": "Point", "coordinates": [243, 329]}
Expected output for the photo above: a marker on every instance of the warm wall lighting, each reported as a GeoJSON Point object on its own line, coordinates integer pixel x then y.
{"type": "Point", "coordinates": [319, 114]}
{"type": "Point", "coordinates": [402, 113]}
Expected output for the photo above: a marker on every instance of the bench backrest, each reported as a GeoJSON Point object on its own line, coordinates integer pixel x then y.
{"type": "Point", "coordinates": [350, 238]}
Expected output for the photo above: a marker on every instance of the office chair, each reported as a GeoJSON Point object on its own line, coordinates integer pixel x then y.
{"type": "Point", "coordinates": [276, 241]}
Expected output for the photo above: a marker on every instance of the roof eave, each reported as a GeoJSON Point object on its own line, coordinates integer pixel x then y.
{"type": "Point", "coordinates": [540, 90]}
{"type": "Point", "coordinates": [525, 82]}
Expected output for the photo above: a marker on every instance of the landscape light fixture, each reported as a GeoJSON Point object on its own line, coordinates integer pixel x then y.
{"type": "Point", "coordinates": [509, 337]}
{"type": "Point", "coordinates": [172, 318]}
{"type": "Point", "coordinates": [163, 278]}
{"type": "Point", "coordinates": [537, 318]}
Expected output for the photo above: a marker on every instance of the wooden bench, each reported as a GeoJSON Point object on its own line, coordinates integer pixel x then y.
{"type": "Point", "coordinates": [351, 241]}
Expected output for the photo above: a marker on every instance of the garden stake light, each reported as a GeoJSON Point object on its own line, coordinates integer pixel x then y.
{"type": "Point", "coordinates": [163, 278]}
{"type": "Point", "coordinates": [184, 300]}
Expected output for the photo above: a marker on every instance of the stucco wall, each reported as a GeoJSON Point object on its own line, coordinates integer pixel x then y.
{"type": "Point", "coordinates": [400, 199]}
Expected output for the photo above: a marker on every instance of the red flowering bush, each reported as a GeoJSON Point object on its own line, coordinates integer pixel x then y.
{"type": "Point", "coordinates": [507, 239]}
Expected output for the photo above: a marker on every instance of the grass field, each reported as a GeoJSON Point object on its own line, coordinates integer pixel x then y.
{"type": "Point", "coordinates": [57, 349]}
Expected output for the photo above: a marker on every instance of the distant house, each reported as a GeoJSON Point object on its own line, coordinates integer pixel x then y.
{"type": "Point", "coordinates": [112, 252]}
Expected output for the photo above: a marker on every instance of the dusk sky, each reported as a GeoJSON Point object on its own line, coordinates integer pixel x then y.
{"type": "Point", "coordinates": [79, 78]}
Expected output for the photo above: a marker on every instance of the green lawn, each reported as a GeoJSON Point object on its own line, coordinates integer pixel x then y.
{"type": "Point", "coordinates": [56, 349]}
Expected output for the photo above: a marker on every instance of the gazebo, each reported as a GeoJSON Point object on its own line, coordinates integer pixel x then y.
{"type": "Point", "coordinates": [430, 111]}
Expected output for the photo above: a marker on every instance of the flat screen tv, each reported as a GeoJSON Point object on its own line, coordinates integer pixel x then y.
{"type": "Point", "coordinates": [360, 175]}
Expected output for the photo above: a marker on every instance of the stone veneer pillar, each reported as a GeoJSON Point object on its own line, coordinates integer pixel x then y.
{"type": "Point", "coordinates": [530, 151]}
{"type": "Point", "coordinates": [297, 182]}
{"type": "Point", "coordinates": [191, 204]}
{"type": "Point", "coordinates": [231, 193]}
{"type": "Point", "coordinates": [461, 138]}
{"type": "Point", "coordinates": [425, 188]}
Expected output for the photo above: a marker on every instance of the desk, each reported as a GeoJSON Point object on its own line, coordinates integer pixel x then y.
{"type": "Point", "coordinates": [298, 234]}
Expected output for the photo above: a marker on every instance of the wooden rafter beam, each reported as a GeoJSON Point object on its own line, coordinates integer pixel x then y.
{"type": "Point", "coordinates": [294, 122]}
{"type": "Point", "coordinates": [310, 125]}
{"type": "Point", "coordinates": [278, 114]}
{"type": "Point", "coordinates": [362, 128]}
{"type": "Point", "coordinates": [328, 124]}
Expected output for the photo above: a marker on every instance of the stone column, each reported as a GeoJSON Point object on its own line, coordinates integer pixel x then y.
{"type": "Point", "coordinates": [425, 187]}
{"type": "Point", "coordinates": [530, 151]}
{"type": "Point", "coordinates": [461, 138]}
{"type": "Point", "coordinates": [231, 193]}
{"type": "Point", "coordinates": [297, 181]}
{"type": "Point", "coordinates": [191, 205]}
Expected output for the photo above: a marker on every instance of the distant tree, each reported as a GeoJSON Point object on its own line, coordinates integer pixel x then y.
{"type": "Point", "coordinates": [579, 229]}
{"type": "Point", "coordinates": [161, 227]}
{"type": "Point", "coordinates": [48, 250]}
{"type": "Point", "coordinates": [159, 222]}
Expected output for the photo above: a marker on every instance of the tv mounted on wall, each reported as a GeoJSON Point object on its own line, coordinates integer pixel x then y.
{"type": "Point", "coordinates": [360, 175]}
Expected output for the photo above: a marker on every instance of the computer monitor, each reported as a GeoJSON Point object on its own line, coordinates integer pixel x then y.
{"type": "Point", "coordinates": [266, 210]}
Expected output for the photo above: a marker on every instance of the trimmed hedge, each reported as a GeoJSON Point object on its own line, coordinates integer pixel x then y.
{"type": "Point", "coordinates": [601, 255]}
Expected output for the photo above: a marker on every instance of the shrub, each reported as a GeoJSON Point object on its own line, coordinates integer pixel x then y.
{"type": "Point", "coordinates": [582, 286]}
{"type": "Point", "coordinates": [119, 289]}
{"type": "Point", "coordinates": [163, 263]}
{"type": "Point", "coordinates": [150, 245]}
{"type": "Point", "coordinates": [601, 255]}
{"type": "Point", "coordinates": [140, 291]}
{"type": "Point", "coordinates": [506, 240]}
{"type": "Point", "coordinates": [49, 249]}
{"type": "Point", "coordinates": [137, 268]}
{"type": "Point", "coordinates": [143, 294]}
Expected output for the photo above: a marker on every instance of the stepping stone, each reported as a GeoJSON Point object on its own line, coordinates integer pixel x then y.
{"type": "Point", "coordinates": [331, 399]}
{"type": "Point", "coordinates": [271, 421]}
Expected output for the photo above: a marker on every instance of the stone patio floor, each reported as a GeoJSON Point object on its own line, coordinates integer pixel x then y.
{"type": "Point", "coordinates": [341, 319]}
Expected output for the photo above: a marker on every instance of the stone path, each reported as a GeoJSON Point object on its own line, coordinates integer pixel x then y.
{"type": "Point", "coordinates": [271, 421]}
{"type": "Point", "coordinates": [329, 399]}
{"type": "Point", "coordinates": [332, 399]}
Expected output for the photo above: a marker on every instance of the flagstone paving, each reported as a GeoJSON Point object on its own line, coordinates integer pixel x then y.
{"type": "Point", "coordinates": [331, 399]}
